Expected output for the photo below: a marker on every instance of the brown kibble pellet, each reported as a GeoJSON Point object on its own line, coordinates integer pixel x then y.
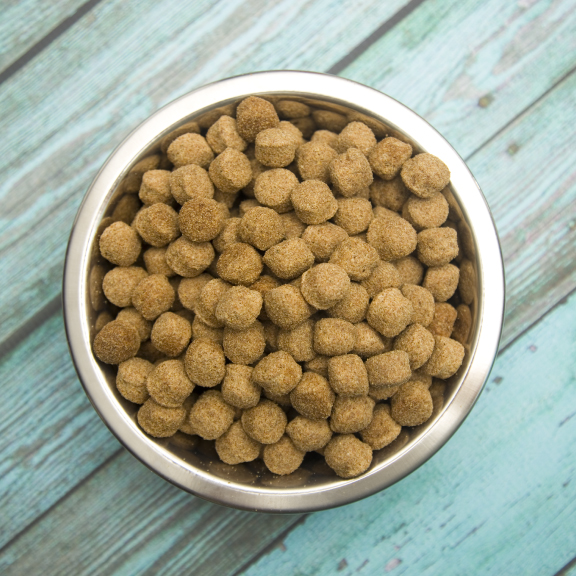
{"type": "Point", "coordinates": [116, 342]}
{"type": "Point", "coordinates": [412, 405]}
{"type": "Point", "coordinates": [388, 156]}
{"type": "Point", "coordinates": [261, 227]}
{"type": "Point", "coordinates": [132, 317]}
{"type": "Point", "coordinates": [467, 282]}
{"type": "Point", "coordinates": [280, 399]}
{"type": "Point", "coordinates": [325, 137]}
{"type": "Point", "coordinates": [102, 319]}
{"type": "Point", "coordinates": [322, 239]}
{"type": "Point", "coordinates": [293, 226]}
{"type": "Point", "coordinates": [282, 457]}
{"type": "Point", "coordinates": [247, 205]}
{"type": "Point", "coordinates": [235, 446]}
{"type": "Point", "coordinates": [238, 387]}
{"type": "Point", "coordinates": [390, 194]}
{"type": "Point", "coordinates": [158, 225]}
{"type": "Point", "coordinates": [201, 330]}
{"type": "Point", "coordinates": [389, 369]}
{"type": "Point", "coordinates": [333, 336]}
{"type": "Point", "coordinates": [294, 132]}
{"type": "Point", "coordinates": [356, 135]}
{"type": "Point", "coordinates": [313, 202]}
{"type": "Point", "coordinates": [328, 120]}
{"type": "Point", "coordinates": [126, 209]}
{"type": "Point", "coordinates": [133, 180]}
{"type": "Point", "coordinates": [239, 307]}
{"type": "Point", "coordinates": [410, 269]}
{"type": "Point", "coordinates": [208, 118]}
{"type": "Point", "coordinates": [442, 281]}
{"type": "Point", "coordinates": [309, 435]}
{"type": "Point", "coordinates": [348, 456]}
{"type": "Point", "coordinates": [120, 244]}
{"type": "Point", "coordinates": [159, 421]}
{"type": "Point", "coordinates": [446, 358]}
{"type": "Point", "coordinates": [191, 127]}
{"type": "Point", "coordinates": [350, 173]}
{"type": "Point", "coordinates": [368, 342]}
{"type": "Point", "coordinates": [356, 257]}
{"type": "Point", "coordinates": [244, 346]}
{"type": "Point", "coordinates": [390, 312]}
{"type": "Point", "coordinates": [444, 318]}
{"type": "Point", "coordinates": [378, 393]}
{"type": "Point", "coordinates": [155, 187]}
{"type": "Point", "coordinates": [422, 303]}
{"type": "Point", "coordinates": [224, 134]}
{"type": "Point", "coordinates": [149, 352]}
{"type": "Point", "coordinates": [208, 299]}
{"type": "Point", "coordinates": [286, 307]}
{"type": "Point", "coordinates": [463, 324]}
{"type": "Point", "coordinates": [189, 259]}
{"type": "Point", "coordinates": [131, 379]}
{"type": "Point", "coordinates": [119, 284]}
{"type": "Point", "coordinates": [318, 364]}
{"type": "Point", "coordinates": [168, 384]}
{"type": "Point", "coordinates": [313, 397]}
{"type": "Point", "coordinates": [298, 342]}
{"type": "Point", "coordinates": [171, 334]}
{"type": "Point", "coordinates": [347, 375]}
{"type": "Point", "coordinates": [211, 416]}
{"type": "Point", "coordinates": [382, 430]}
{"type": "Point", "coordinates": [153, 296]}
{"type": "Point", "coordinates": [240, 264]}
{"type": "Point", "coordinates": [228, 235]}
{"type": "Point", "coordinates": [384, 276]}
{"type": "Point", "coordinates": [275, 147]}
{"type": "Point", "coordinates": [292, 109]}
{"type": "Point", "coordinates": [190, 148]}
{"type": "Point", "coordinates": [230, 171]}
{"type": "Point", "coordinates": [189, 289]}
{"type": "Point", "coordinates": [392, 237]}
{"type": "Point", "coordinates": [277, 373]}
{"type": "Point", "coordinates": [425, 175]}
{"type": "Point", "coordinates": [289, 259]}
{"type": "Point", "coordinates": [205, 363]}
{"type": "Point", "coordinates": [325, 285]}
{"type": "Point", "coordinates": [353, 306]}
{"type": "Point", "coordinates": [254, 115]}
{"type": "Point", "coordinates": [354, 215]}
{"type": "Point", "coordinates": [437, 246]}
{"type": "Point", "coordinates": [417, 342]}
{"type": "Point", "coordinates": [155, 262]}
{"type": "Point", "coordinates": [273, 188]}
{"type": "Point", "coordinates": [305, 125]}
{"type": "Point", "coordinates": [265, 423]}
{"type": "Point", "coordinates": [95, 290]}
{"type": "Point", "coordinates": [190, 181]}
{"type": "Point", "coordinates": [351, 415]}
{"type": "Point", "coordinates": [425, 213]}
{"type": "Point", "coordinates": [202, 219]}
{"type": "Point", "coordinates": [313, 160]}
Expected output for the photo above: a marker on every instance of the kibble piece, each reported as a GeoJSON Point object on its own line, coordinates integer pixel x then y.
{"type": "Point", "coordinates": [388, 156]}
{"type": "Point", "coordinates": [189, 289]}
{"type": "Point", "coordinates": [442, 281]}
{"type": "Point", "coordinates": [240, 264]}
{"type": "Point", "coordinates": [292, 109]}
{"type": "Point", "coordinates": [322, 239]}
{"type": "Point", "coordinates": [155, 187]}
{"type": "Point", "coordinates": [382, 430]}
{"type": "Point", "coordinates": [353, 306]}
{"type": "Point", "coordinates": [313, 160]}
{"type": "Point", "coordinates": [354, 215]}
{"type": "Point", "coordinates": [333, 336]}
{"type": "Point", "coordinates": [247, 205]}
{"type": "Point", "coordinates": [155, 261]}
{"type": "Point", "coordinates": [261, 227]}
{"type": "Point", "coordinates": [350, 173]}
{"type": "Point", "coordinates": [119, 284]}
{"type": "Point", "coordinates": [192, 127]}
{"type": "Point", "coordinates": [368, 342]}
{"type": "Point", "coordinates": [238, 387]}
{"type": "Point", "coordinates": [293, 226]}
{"type": "Point", "coordinates": [159, 421]}
{"type": "Point", "coordinates": [238, 307]}
{"type": "Point", "coordinates": [378, 393]}
{"type": "Point", "coordinates": [412, 405]}
{"type": "Point", "coordinates": [208, 118]}
{"type": "Point", "coordinates": [265, 423]}
{"type": "Point", "coordinates": [153, 296]}
{"type": "Point", "coordinates": [254, 115]}
{"type": "Point", "coordinates": [426, 212]}
{"type": "Point", "coordinates": [356, 135]}
{"type": "Point", "coordinates": [356, 257]}
{"type": "Point", "coordinates": [211, 416]}
{"type": "Point", "coordinates": [422, 303]}
{"type": "Point", "coordinates": [446, 358]}
{"type": "Point", "coordinates": [385, 275]}
{"type": "Point", "coordinates": [289, 259]}
{"type": "Point", "coordinates": [126, 209]}
{"type": "Point", "coordinates": [390, 194]}
{"type": "Point", "coordinates": [275, 147]}
{"type": "Point", "coordinates": [278, 373]}
{"type": "Point", "coordinates": [347, 375]}
{"type": "Point", "coordinates": [437, 246]}
{"type": "Point", "coordinates": [96, 293]}
{"type": "Point", "coordinates": [444, 318]}
{"type": "Point", "coordinates": [273, 188]}
{"type": "Point", "coordinates": [313, 397]}
{"type": "Point", "coordinates": [168, 384]}
{"type": "Point", "coordinates": [228, 235]}
{"type": "Point", "coordinates": [190, 181]}
{"type": "Point", "coordinates": [410, 269]}
{"type": "Point", "coordinates": [205, 363]}
{"type": "Point", "coordinates": [298, 342]}
{"type": "Point", "coordinates": [244, 346]}
{"type": "Point", "coordinates": [417, 342]}
{"type": "Point", "coordinates": [208, 299]}
{"type": "Point", "coordinates": [318, 364]}
{"type": "Point", "coordinates": [306, 126]}
{"type": "Point", "coordinates": [425, 175]}
{"type": "Point", "coordinates": [201, 219]}
{"type": "Point", "coordinates": [282, 457]}
{"type": "Point", "coordinates": [158, 225]}
{"type": "Point", "coordinates": [286, 306]}
{"type": "Point", "coordinates": [102, 319]}
{"type": "Point", "coordinates": [467, 282]}
{"type": "Point", "coordinates": [235, 446]}
{"type": "Point", "coordinates": [131, 379]}
{"type": "Point", "coordinates": [392, 237]}
{"type": "Point", "coordinates": [201, 330]}
{"type": "Point", "coordinates": [463, 324]}
{"type": "Point", "coordinates": [389, 369]}
{"type": "Point", "coordinates": [309, 435]}
{"type": "Point", "coordinates": [120, 244]}
{"type": "Point", "coordinates": [313, 202]}
{"type": "Point", "coordinates": [189, 259]}
{"type": "Point", "coordinates": [390, 312]}
{"type": "Point", "coordinates": [351, 415]}
{"type": "Point", "coordinates": [348, 456]}
{"type": "Point", "coordinates": [230, 171]}
{"type": "Point", "coordinates": [133, 180]}
{"type": "Point", "coordinates": [190, 148]}
{"type": "Point", "coordinates": [325, 285]}
{"type": "Point", "coordinates": [171, 334]}
{"type": "Point", "coordinates": [224, 134]}
{"type": "Point", "coordinates": [328, 120]}
{"type": "Point", "coordinates": [133, 318]}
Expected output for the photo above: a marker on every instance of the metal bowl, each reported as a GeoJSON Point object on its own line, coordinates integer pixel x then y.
{"type": "Point", "coordinates": [312, 487]}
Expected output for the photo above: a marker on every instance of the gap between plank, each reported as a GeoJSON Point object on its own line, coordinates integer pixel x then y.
{"type": "Point", "coordinates": [567, 569]}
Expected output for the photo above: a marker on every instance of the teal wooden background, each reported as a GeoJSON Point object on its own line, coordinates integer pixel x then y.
{"type": "Point", "coordinates": [496, 77]}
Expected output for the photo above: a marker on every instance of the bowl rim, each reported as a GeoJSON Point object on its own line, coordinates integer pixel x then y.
{"type": "Point", "coordinates": [490, 309]}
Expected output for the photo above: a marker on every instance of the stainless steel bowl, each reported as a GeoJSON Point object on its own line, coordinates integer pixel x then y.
{"type": "Point", "coordinates": [312, 488]}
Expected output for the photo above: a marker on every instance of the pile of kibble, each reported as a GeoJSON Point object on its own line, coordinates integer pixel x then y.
{"type": "Point", "coordinates": [282, 286]}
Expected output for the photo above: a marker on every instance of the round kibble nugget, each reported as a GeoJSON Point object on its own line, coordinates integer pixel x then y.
{"type": "Point", "coordinates": [389, 369]}
{"type": "Point", "coordinates": [325, 137]}
{"type": "Point", "coordinates": [318, 364]}
{"type": "Point", "coordinates": [347, 375]}
{"type": "Point", "coordinates": [238, 388]}
{"type": "Point", "coordinates": [293, 131]}
{"type": "Point", "coordinates": [289, 259]}
{"type": "Point", "coordinates": [261, 227]}
{"type": "Point", "coordinates": [133, 180]}
{"type": "Point", "coordinates": [309, 435]}
{"type": "Point", "coordinates": [313, 397]}
{"type": "Point", "coordinates": [273, 188]}
{"type": "Point", "coordinates": [158, 225]}
{"type": "Point", "coordinates": [353, 306]}
{"type": "Point", "coordinates": [305, 125]}
{"type": "Point", "coordinates": [325, 285]}
{"type": "Point", "coordinates": [282, 457]}
{"type": "Point", "coordinates": [168, 384]}
{"type": "Point", "coordinates": [444, 318]}
{"type": "Point", "coordinates": [350, 173]}
{"type": "Point", "coordinates": [171, 334]}
{"type": "Point", "coordinates": [390, 194]}
{"type": "Point", "coordinates": [422, 303]}
{"type": "Point", "coordinates": [351, 415]}
{"type": "Point", "coordinates": [328, 120]}
{"type": "Point", "coordinates": [426, 212]}
{"type": "Point", "coordinates": [246, 205]}
{"type": "Point", "coordinates": [354, 215]}
{"type": "Point", "coordinates": [116, 342]}
{"type": "Point", "coordinates": [205, 363]}
{"type": "Point", "coordinates": [132, 317]}
{"type": "Point", "coordinates": [254, 115]}
{"type": "Point", "coordinates": [228, 235]}
{"type": "Point", "coordinates": [437, 246]}
{"type": "Point", "coordinates": [392, 237]}
{"type": "Point", "coordinates": [202, 219]}
{"type": "Point", "coordinates": [190, 181]}
{"type": "Point", "coordinates": [412, 405]}
{"type": "Point", "coordinates": [240, 264]}
{"type": "Point", "coordinates": [382, 392]}
{"type": "Point", "coordinates": [275, 147]}
{"type": "Point", "coordinates": [131, 379]}
{"type": "Point", "coordinates": [425, 175]}
{"type": "Point", "coordinates": [293, 226]}
{"type": "Point", "coordinates": [442, 281]}
{"type": "Point", "coordinates": [224, 134]}
{"type": "Point", "coordinates": [356, 135]}
{"type": "Point", "coordinates": [333, 336]}
{"type": "Point", "coordinates": [390, 312]}
{"type": "Point", "coordinates": [211, 416]}
{"type": "Point", "coordinates": [292, 109]}
{"type": "Point", "coordinates": [410, 269]}
{"type": "Point", "coordinates": [313, 160]}
{"type": "Point", "coordinates": [385, 275]}
{"type": "Point", "coordinates": [322, 239]}
{"type": "Point", "coordinates": [368, 342]}
{"type": "Point", "coordinates": [244, 346]}
{"type": "Point", "coordinates": [298, 342]}
{"type": "Point", "coordinates": [417, 342]}
{"type": "Point", "coordinates": [277, 373]}
{"type": "Point", "coordinates": [467, 282]}
{"type": "Point", "coordinates": [356, 257]}
{"type": "Point", "coordinates": [96, 293]}
{"type": "Point", "coordinates": [189, 289]}
{"type": "Point", "coordinates": [230, 171]}
{"type": "Point", "coordinates": [235, 446]}
{"type": "Point", "coordinates": [286, 307]}
{"type": "Point", "coordinates": [265, 423]}
{"type": "Point", "coordinates": [126, 208]}
{"type": "Point", "coordinates": [153, 296]}
{"type": "Point", "coordinates": [119, 283]}
{"type": "Point", "coordinates": [239, 307]}
{"type": "Point", "coordinates": [382, 430]}
{"type": "Point", "coordinates": [313, 202]}
{"type": "Point", "coordinates": [190, 149]}
{"type": "Point", "coordinates": [155, 187]}
{"type": "Point", "coordinates": [348, 456]}
{"type": "Point", "coordinates": [155, 261]}
{"type": "Point", "coordinates": [120, 244]}
{"type": "Point", "coordinates": [159, 421]}
{"type": "Point", "coordinates": [463, 324]}
{"type": "Point", "coordinates": [445, 360]}
{"type": "Point", "coordinates": [387, 157]}
{"type": "Point", "coordinates": [201, 330]}
{"type": "Point", "coordinates": [280, 399]}
{"type": "Point", "coordinates": [102, 319]}
{"type": "Point", "coordinates": [184, 129]}
{"type": "Point", "coordinates": [189, 259]}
